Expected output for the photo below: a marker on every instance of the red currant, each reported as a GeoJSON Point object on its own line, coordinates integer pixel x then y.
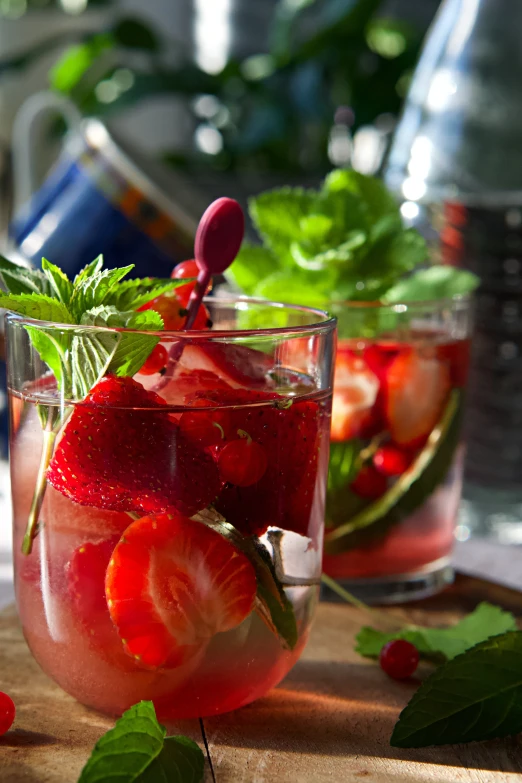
{"type": "Point", "coordinates": [156, 361]}
{"type": "Point", "coordinates": [185, 269]}
{"type": "Point", "coordinates": [242, 462]}
{"type": "Point", "coordinates": [391, 461]}
{"type": "Point", "coordinates": [369, 483]}
{"type": "Point", "coordinates": [174, 313]}
{"type": "Point", "coordinates": [399, 659]}
{"type": "Point", "coordinates": [202, 428]}
{"type": "Point", "coordinates": [7, 713]}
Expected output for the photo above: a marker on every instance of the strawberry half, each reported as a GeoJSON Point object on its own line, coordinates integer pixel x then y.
{"type": "Point", "coordinates": [113, 457]}
{"type": "Point", "coordinates": [355, 393]}
{"type": "Point", "coordinates": [415, 391]}
{"type": "Point", "coordinates": [284, 495]}
{"type": "Point", "coordinates": [237, 365]}
{"type": "Point", "coordinates": [172, 584]}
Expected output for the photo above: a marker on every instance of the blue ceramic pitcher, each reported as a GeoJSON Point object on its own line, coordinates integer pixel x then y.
{"type": "Point", "coordinates": [98, 198]}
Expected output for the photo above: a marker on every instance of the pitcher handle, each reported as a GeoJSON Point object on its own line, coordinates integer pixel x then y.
{"type": "Point", "coordinates": [27, 127]}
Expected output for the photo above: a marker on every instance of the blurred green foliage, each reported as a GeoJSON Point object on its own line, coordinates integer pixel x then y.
{"type": "Point", "coordinates": [272, 111]}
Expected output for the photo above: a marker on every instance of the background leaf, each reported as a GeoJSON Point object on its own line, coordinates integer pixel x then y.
{"type": "Point", "coordinates": [251, 267]}
{"type": "Point", "coordinates": [437, 282]}
{"type": "Point", "coordinates": [277, 216]}
{"type": "Point", "coordinates": [475, 696]}
{"type": "Point", "coordinates": [436, 643]}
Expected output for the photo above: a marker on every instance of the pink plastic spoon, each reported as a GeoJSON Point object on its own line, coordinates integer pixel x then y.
{"type": "Point", "coordinates": [218, 239]}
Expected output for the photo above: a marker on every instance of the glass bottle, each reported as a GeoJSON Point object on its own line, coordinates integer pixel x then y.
{"type": "Point", "coordinates": [456, 166]}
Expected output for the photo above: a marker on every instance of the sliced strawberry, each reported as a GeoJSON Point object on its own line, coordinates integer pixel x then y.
{"type": "Point", "coordinates": [416, 389]}
{"type": "Point", "coordinates": [172, 584]}
{"type": "Point", "coordinates": [355, 392]}
{"type": "Point", "coordinates": [120, 452]}
{"type": "Point", "coordinates": [85, 576]}
{"type": "Point", "coordinates": [284, 495]}
{"type": "Point", "coordinates": [184, 384]}
{"type": "Point", "coordinates": [237, 365]}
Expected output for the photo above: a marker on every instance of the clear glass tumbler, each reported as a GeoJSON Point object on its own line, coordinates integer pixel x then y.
{"type": "Point", "coordinates": [176, 554]}
{"type": "Point", "coordinates": [396, 454]}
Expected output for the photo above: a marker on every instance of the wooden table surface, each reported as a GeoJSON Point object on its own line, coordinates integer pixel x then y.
{"type": "Point", "coordinates": [330, 720]}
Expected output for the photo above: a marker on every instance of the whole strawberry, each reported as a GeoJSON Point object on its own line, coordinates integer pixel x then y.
{"type": "Point", "coordinates": [121, 451]}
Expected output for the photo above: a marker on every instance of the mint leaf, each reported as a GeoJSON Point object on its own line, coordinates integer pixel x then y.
{"type": "Point", "coordinates": [272, 603]}
{"type": "Point", "coordinates": [133, 294]}
{"type": "Point", "coordinates": [136, 749]}
{"type": "Point", "coordinates": [433, 643]}
{"type": "Point", "coordinates": [90, 270]}
{"type": "Point", "coordinates": [372, 191]}
{"type": "Point", "coordinates": [60, 284]}
{"type": "Point", "coordinates": [180, 761]}
{"type": "Point", "coordinates": [291, 288]}
{"type": "Point", "coordinates": [38, 306]}
{"type": "Point", "coordinates": [252, 265]}
{"type": "Point", "coordinates": [19, 279]}
{"type": "Point", "coordinates": [475, 696]}
{"type": "Point", "coordinates": [410, 491]}
{"type": "Point", "coordinates": [277, 216]}
{"type": "Point", "coordinates": [437, 282]}
{"type": "Point", "coordinates": [52, 347]}
{"type": "Point", "coordinates": [90, 356]}
{"type": "Point", "coordinates": [94, 290]}
{"type": "Point", "coordinates": [133, 349]}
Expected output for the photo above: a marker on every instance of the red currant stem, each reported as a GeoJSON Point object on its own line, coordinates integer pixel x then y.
{"type": "Point", "coordinates": [133, 515]}
{"type": "Point", "coordinates": [244, 434]}
{"type": "Point", "coordinates": [381, 618]}
{"type": "Point", "coordinates": [369, 452]}
{"type": "Point", "coordinates": [196, 297]}
{"type": "Point", "coordinates": [220, 428]}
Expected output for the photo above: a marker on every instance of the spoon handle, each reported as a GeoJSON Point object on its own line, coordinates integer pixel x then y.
{"type": "Point", "coordinates": [196, 296]}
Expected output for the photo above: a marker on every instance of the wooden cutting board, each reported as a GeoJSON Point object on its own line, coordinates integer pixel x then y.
{"type": "Point", "coordinates": [330, 720]}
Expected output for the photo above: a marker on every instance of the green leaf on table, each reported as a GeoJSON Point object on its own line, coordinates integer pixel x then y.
{"type": "Point", "coordinates": [442, 643]}
{"type": "Point", "coordinates": [437, 282]}
{"type": "Point", "coordinates": [475, 696]}
{"type": "Point", "coordinates": [252, 266]}
{"type": "Point", "coordinates": [38, 306]}
{"type": "Point", "coordinates": [137, 750]}
{"type": "Point", "coordinates": [61, 286]}
{"type": "Point", "coordinates": [416, 484]}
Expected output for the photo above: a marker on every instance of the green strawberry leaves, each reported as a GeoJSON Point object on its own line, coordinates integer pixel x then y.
{"type": "Point", "coordinates": [475, 696]}
{"type": "Point", "coordinates": [438, 644]}
{"type": "Point", "coordinates": [344, 241]}
{"type": "Point", "coordinates": [138, 750]}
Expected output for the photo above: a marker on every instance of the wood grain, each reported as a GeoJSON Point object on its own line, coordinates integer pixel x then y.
{"type": "Point", "coordinates": [330, 720]}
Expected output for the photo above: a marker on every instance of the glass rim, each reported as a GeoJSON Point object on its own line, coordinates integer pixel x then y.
{"type": "Point", "coordinates": [463, 300]}
{"type": "Point", "coordinates": [325, 323]}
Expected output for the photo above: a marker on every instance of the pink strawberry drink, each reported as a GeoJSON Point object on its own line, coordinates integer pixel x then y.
{"type": "Point", "coordinates": [177, 550]}
{"type": "Point", "coordinates": [396, 458]}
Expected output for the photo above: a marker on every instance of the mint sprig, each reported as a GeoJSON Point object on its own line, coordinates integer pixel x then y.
{"type": "Point", "coordinates": [475, 696]}
{"type": "Point", "coordinates": [345, 241]}
{"type": "Point", "coordinates": [137, 749]}
{"type": "Point", "coordinates": [96, 300]}
{"type": "Point", "coordinates": [439, 644]}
